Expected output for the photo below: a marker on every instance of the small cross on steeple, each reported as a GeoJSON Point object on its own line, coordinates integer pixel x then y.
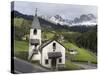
{"type": "Point", "coordinates": [36, 12]}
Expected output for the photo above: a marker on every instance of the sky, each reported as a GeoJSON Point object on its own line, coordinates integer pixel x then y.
{"type": "Point", "coordinates": [67, 11]}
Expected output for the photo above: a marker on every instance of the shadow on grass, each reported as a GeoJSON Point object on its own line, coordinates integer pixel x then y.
{"type": "Point", "coordinates": [22, 55]}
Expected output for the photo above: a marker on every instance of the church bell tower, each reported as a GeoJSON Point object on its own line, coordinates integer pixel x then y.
{"type": "Point", "coordinates": [35, 39]}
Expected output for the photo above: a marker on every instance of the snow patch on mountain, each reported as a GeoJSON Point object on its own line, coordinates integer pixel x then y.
{"type": "Point", "coordinates": [85, 19]}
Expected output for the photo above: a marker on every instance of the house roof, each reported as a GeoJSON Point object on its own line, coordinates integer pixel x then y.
{"type": "Point", "coordinates": [54, 55]}
{"type": "Point", "coordinates": [36, 23]}
{"type": "Point", "coordinates": [46, 43]}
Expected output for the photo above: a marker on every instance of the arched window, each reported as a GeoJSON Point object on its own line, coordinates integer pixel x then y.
{"type": "Point", "coordinates": [35, 31]}
{"type": "Point", "coordinates": [54, 46]}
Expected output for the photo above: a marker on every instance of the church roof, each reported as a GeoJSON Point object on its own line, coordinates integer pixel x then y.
{"type": "Point", "coordinates": [36, 23]}
{"type": "Point", "coordinates": [48, 42]}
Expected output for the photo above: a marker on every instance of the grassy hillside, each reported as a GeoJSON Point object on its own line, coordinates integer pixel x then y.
{"type": "Point", "coordinates": [70, 66]}
{"type": "Point", "coordinates": [21, 49]}
{"type": "Point", "coordinates": [18, 21]}
{"type": "Point", "coordinates": [82, 54]}
{"type": "Point", "coordinates": [20, 45]}
{"type": "Point", "coordinates": [47, 35]}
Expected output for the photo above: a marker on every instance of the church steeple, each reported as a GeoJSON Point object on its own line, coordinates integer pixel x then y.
{"type": "Point", "coordinates": [36, 12]}
{"type": "Point", "coordinates": [35, 39]}
{"type": "Point", "coordinates": [36, 23]}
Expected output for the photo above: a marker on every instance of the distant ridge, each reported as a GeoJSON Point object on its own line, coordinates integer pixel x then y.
{"type": "Point", "coordinates": [45, 24]}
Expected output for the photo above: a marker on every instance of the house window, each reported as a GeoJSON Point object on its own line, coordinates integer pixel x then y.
{"type": "Point", "coordinates": [54, 46]}
{"type": "Point", "coordinates": [35, 31]}
{"type": "Point", "coordinates": [46, 61]}
{"type": "Point", "coordinates": [60, 60]}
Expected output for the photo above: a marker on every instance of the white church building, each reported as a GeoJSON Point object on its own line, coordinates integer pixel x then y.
{"type": "Point", "coordinates": [49, 54]}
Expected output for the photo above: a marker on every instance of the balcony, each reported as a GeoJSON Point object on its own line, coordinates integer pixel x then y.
{"type": "Point", "coordinates": [34, 42]}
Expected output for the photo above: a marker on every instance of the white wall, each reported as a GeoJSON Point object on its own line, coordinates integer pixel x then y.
{"type": "Point", "coordinates": [49, 48]}
{"type": "Point", "coordinates": [38, 36]}
{"type": "Point", "coordinates": [31, 47]}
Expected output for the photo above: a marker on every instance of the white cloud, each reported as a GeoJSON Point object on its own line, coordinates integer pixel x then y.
{"type": "Point", "coordinates": [70, 11]}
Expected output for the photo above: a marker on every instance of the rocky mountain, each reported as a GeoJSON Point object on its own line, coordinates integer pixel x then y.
{"type": "Point", "coordinates": [57, 19]}
{"type": "Point", "coordinates": [84, 19]}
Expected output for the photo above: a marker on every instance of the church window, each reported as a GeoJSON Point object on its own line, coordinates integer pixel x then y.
{"type": "Point", "coordinates": [46, 61]}
{"type": "Point", "coordinates": [54, 46]}
{"type": "Point", "coordinates": [35, 31]}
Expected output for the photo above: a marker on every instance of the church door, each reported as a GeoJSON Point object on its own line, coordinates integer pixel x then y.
{"type": "Point", "coordinates": [53, 63]}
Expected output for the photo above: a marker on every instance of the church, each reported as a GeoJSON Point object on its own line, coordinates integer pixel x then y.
{"type": "Point", "coordinates": [49, 54]}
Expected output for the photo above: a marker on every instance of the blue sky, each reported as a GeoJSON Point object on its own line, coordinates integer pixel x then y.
{"type": "Point", "coordinates": [67, 11]}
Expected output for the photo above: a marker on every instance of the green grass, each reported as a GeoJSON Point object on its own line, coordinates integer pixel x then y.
{"type": "Point", "coordinates": [70, 66]}
{"type": "Point", "coordinates": [20, 45]}
{"type": "Point", "coordinates": [21, 49]}
{"type": "Point", "coordinates": [82, 54]}
{"type": "Point", "coordinates": [47, 35]}
{"type": "Point", "coordinates": [18, 21]}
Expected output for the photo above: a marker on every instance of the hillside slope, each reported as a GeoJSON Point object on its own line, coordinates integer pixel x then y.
{"type": "Point", "coordinates": [82, 55]}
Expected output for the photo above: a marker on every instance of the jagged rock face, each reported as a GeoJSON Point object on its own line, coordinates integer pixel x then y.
{"type": "Point", "coordinates": [83, 19]}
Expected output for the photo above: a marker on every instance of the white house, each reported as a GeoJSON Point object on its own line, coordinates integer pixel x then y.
{"type": "Point", "coordinates": [50, 54]}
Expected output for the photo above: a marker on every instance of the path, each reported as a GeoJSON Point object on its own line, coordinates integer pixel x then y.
{"type": "Point", "coordinates": [85, 65]}
{"type": "Point", "coordinates": [22, 66]}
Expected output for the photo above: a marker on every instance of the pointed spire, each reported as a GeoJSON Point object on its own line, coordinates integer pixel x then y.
{"type": "Point", "coordinates": [36, 12]}
{"type": "Point", "coordinates": [36, 23]}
